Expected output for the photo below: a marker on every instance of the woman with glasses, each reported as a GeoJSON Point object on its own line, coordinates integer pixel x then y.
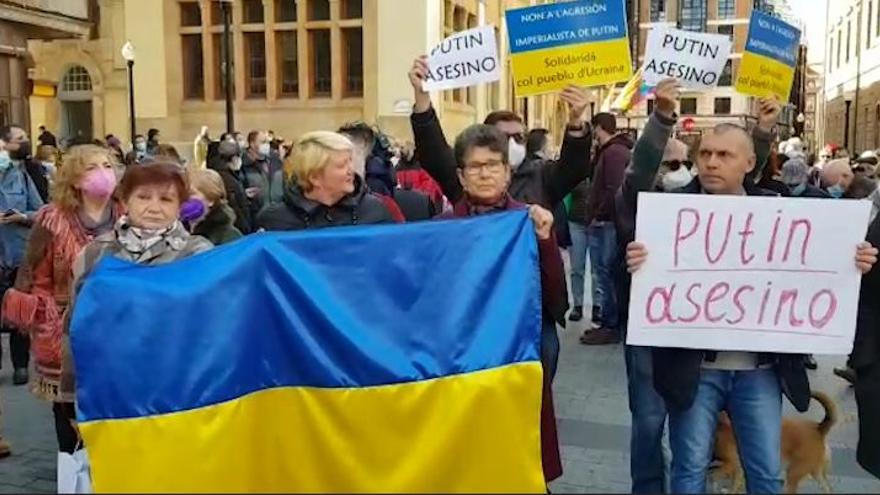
{"type": "Point", "coordinates": [484, 172]}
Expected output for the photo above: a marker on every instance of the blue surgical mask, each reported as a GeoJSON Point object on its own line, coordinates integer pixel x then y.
{"type": "Point", "coordinates": [5, 161]}
{"type": "Point", "coordinates": [836, 191]}
{"type": "Point", "coordinates": [265, 149]}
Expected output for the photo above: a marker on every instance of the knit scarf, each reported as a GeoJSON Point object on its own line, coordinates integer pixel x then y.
{"type": "Point", "coordinates": [144, 244]}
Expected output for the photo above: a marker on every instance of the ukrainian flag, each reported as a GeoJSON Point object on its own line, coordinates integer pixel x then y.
{"type": "Point", "coordinates": [364, 359]}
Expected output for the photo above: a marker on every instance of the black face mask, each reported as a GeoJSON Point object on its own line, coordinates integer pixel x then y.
{"type": "Point", "coordinates": [23, 151]}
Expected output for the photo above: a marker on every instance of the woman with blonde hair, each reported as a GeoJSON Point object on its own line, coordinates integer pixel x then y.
{"type": "Point", "coordinates": [81, 209]}
{"type": "Point", "coordinates": [322, 190]}
{"type": "Point", "coordinates": [206, 212]}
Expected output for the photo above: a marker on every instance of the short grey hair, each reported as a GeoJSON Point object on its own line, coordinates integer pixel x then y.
{"type": "Point", "coordinates": [480, 136]}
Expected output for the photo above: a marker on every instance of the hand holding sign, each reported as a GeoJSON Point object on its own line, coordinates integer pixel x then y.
{"type": "Point", "coordinates": [768, 113]}
{"type": "Point", "coordinates": [866, 257]}
{"type": "Point", "coordinates": [666, 96]}
{"type": "Point", "coordinates": [417, 76]}
{"type": "Point", "coordinates": [576, 98]}
{"type": "Point", "coordinates": [636, 255]}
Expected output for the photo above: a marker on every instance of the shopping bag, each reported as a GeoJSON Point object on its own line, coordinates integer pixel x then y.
{"type": "Point", "coordinates": [73, 472]}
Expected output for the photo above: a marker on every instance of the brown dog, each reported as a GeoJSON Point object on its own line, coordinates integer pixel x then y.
{"type": "Point", "coordinates": [804, 451]}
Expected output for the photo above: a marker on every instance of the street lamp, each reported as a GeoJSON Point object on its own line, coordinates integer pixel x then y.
{"type": "Point", "coordinates": [128, 55]}
{"type": "Point", "coordinates": [227, 63]}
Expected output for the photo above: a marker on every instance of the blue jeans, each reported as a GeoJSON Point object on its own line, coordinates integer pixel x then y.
{"type": "Point", "coordinates": [549, 349]}
{"type": "Point", "coordinates": [579, 251]}
{"type": "Point", "coordinates": [602, 240]}
{"type": "Point", "coordinates": [646, 466]}
{"type": "Point", "coordinates": [753, 399]}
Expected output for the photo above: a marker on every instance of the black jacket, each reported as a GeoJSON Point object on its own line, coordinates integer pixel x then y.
{"type": "Point", "coordinates": [237, 200]}
{"type": "Point", "coordinates": [298, 212]}
{"type": "Point", "coordinates": [677, 371]}
{"type": "Point", "coordinates": [865, 359]}
{"type": "Point", "coordinates": [217, 226]}
{"type": "Point", "coordinates": [545, 182]}
{"type": "Point", "coordinates": [416, 206]}
{"type": "Point", "coordinates": [812, 192]}
{"type": "Point", "coordinates": [580, 203]}
{"type": "Point", "coordinates": [37, 174]}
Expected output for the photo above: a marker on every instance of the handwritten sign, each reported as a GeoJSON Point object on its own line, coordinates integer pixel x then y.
{"type": "Point", "coordinates": [770, 57]}
{"type": "Point", "coordinates": [747, 274]}
{"type": "Point", "coordinates": [697, 60]}
{"type": "Point", "coordinates": [464, 59]}
{"type": "Point", "coordinates": [555, 45]}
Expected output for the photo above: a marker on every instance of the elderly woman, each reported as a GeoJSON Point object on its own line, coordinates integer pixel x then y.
{"type": "Point", "coordinates": [322, 189]}
{"type": "Point", "coordinates": [81, 209]}
{"type": "Point", "coordinates": [206, 211]}
{"type": "Point", "coordinates": [150, 233]}
{"type": "Point", "coordinates": [485, 173]}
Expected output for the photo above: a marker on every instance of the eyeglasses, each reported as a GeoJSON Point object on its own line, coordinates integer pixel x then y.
{"type": "Point", "coordinates": [674, 165]}
{"type": "Point", "coordinates": [493, 167]}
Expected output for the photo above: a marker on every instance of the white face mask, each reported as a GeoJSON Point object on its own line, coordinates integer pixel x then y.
{"type": "Point", "coordinates": [516, 153]}
{"type": "Point", "coordinates": [265, 148]}
{"type": "Point", "coordinates": [235, 163]}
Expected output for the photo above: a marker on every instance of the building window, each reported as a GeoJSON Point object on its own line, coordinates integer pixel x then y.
{"type": "Point", "coordinates": [688, 106]}
{"type": "Point", "coordinates": [352, 9]}
{"type": "Point", "coordinates": [830, 52]}
{"type": "Point", "coordinates": [252, 11]}
{"type": "Point", "coordinates": [193, 70]}
{"type": "Point", "coordinates": [320, 66]}
{"type": "Point", "coordinates": [726, 9]}
{"type": "Point", "coordinates": [216, 14]}
{"type": "Point", "coordinates": [726, 78]}
{"type": "Point", "coordinates": [726, 29]}
{"type": "Point", "coordinates": [285, 10]}
{"type": "Point", "coordinates": [319, 10]}
{"type": "Point", "coordinates": [877, 27]}
{"type": "Point", "coordinates": [353, 52]}
{"type": "Point", "coordinates": [692, 15]}
{"type": "Point", "coordinates": [658, 10]}
{"type": "Point", "coordinates": [848, 38]}
{"type": "Point", "coordinates": [288, 63]}
{"type": "Point", "coordinates": [255, 65]}
{"type": "Point", "coordinates": [722, 106]}
{"type": "Point", "coordinates": [76, 79]}
{"type": "Point", "coordinates": [190, 14]}
{"type": "Point", "coordinates": [870, 18]}
{"type": "Point", "coordinates": [839, 46]}
{"type": "Point", "coordinates": [650, 107]}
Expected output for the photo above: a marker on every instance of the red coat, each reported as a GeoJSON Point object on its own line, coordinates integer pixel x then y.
{"type": "Point", "coordinates": [555, 305]}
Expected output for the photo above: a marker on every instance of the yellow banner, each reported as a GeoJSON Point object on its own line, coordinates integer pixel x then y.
{"type": "Point", "coordinates": [552, 69]}
{"type": "Point", "coordinates": [764, 77]}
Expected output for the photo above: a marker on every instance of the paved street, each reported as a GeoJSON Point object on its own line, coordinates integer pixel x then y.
{"type": "Point", "coordinates": [590, 400]}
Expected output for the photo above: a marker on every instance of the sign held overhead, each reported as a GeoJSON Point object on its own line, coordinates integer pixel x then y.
{"type": "Point", "coordinates": [555, 45]}
{"type": "Point", "coordinates": [464, 59]}
{"type": "Point", "coordinates": [697, 60]}
{"type": "Point", "coordinates": [770, 58]}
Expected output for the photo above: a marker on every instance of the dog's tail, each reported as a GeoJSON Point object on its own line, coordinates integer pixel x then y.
{"type": "Point", "coordinates": [830, 411]}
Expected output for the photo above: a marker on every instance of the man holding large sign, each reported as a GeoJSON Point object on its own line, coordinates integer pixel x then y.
{"type": "Point", "coordinates": [770, 57]}
{"type": "Point", "coordinates": [559, 44]}
{"type": "Point", "coordinates": [697, 384]}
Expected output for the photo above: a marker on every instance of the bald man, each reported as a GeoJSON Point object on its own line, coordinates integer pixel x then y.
{"type": "Point", "coordinates": [837, 176]}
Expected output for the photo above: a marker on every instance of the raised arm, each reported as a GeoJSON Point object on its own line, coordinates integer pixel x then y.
{"type": "Point", "coordinates": [648, 153]}
{"type": "Point", "coordinates": [432, 149]}
{"type": "Point", "coordinates": [561, 177]}
{"type": "Point", "coordinates": [763, 135]}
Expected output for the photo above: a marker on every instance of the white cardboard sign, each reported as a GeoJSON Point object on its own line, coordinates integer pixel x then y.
{"type": "Point", "coordinates": [695, 59]}
{"type": "Point", "coordinates": [747, 274]}
{"type": "Point", "coordinates": [464, 59]}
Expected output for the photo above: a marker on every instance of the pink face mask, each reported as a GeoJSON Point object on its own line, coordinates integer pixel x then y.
{"type": "Point", "coordinates": [99, 183]}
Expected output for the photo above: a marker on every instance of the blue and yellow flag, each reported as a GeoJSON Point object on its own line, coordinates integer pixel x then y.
{"type": "Point", "coordinates": [365, 359]}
